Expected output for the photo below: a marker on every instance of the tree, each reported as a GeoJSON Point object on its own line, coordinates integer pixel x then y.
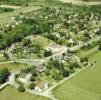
{"type": "Point", "coordinates": [21, 88]}
{"type": "Point", "coordinates": [99, 44]}
{"type": "Point", "coordinates": [32, 78]}
{"type": "Point", "coordinates": [84, 59]}
{"type": "Point", "coordinates": [4, 74]}
{"type": "Point", "coordinates": [65, 73]}
{"type": "Point", "coordinates": [56, 75]}
{"type": "Point", "coordinates": [47, 53]}
{"type": "Point", "coordinates": [15, 35]}
{"type": "Point", "coordinates": [26, 42]}
{"type": "Point", "coordinates": [85, 0]}
{"type": "Point", "coordinates": [32, 86]}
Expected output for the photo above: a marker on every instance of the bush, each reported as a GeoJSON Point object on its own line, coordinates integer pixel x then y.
{"type": "Point", "coordinates": [65, 73]}
{"type": "Point", "coordinates": [32, 79]}
{"type": "Point", "coordinates": [21, 88]}
{"type": "Point", "coordinates": [84, 59]}
{"type": "Point", "coordinates": [99, 45]}
{"type": "Point", "coordinates": [4, 74]}
{"type": "Point", "coordinates": [47, 53]}
{"type": "Point", "coordinates": [32, 86]}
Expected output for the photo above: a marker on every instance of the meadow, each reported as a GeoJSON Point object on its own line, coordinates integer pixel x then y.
{"type": "Point", "coordinates": [13, 66]}
{"type": "Point", "coordinates": [10, 93]}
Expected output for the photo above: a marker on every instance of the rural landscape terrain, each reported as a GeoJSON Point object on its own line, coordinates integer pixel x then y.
{"type": "Point", "coordinates": [50, 49]}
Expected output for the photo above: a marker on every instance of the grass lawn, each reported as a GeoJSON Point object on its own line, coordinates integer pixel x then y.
{"type": "Point", "coordinates": [13, 66]}
{"type": "Point", "coordinates": [84, 86]}
{"type": "Point", "coordinates": [88, 52]}
{"type": "Point", "coordinates": [10, 93]}
{"type": "Point", "coordinates": [2, 59]}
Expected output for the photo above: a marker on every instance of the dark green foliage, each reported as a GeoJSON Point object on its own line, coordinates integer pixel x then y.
{"type": "Point", "coordinates": [47, 53]}
{"type": "Point", "coordinates": [32, 86]}
{"type": "Point", "coordinates": [6, 10]}
{"type": "Point", "coordinates": [21, 88]}
{"type": "Point", "coordinates": [15, 35]}
{"type": "Point", "coordinates": [99, 44]}
{"type": "Point", "coordinates": [32, 78]}
{"type": "Point", "coordinates": [4, 74]}
{"type": "Point", "coordinates": [65, 73]}
{"type": "Point", "coordinates": [26, 42]}
{"type": "Point", "coordinates": [84, 59]}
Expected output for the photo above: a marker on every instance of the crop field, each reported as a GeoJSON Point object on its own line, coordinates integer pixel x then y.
{"type": "Point", "coordinates": [10, 93]}
{"type": "Point", "coordinates": [84, 86]}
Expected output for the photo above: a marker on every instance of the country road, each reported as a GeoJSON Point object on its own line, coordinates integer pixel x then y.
{"type": "Point", "coordinates": [80, 2]}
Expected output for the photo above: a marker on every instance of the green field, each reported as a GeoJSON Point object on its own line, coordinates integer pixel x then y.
{"type": "Point", "coordinates": [9, 16]}
{"type": "Point", "coordinates": [13, 66]}
{"type": "Point", "coordinates": [10, 93]}
{"type": "Point", "coordinates": [84, 86]}
{"type": "Point", "coordinates": [88, 52]}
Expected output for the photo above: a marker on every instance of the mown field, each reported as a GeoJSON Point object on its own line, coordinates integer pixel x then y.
{"type": "Point", "coordinates": [10, 93]}
{"type": "Point", "coordinates": [13, 66]}
{"type": "Point", "coordinates": [84, 86]}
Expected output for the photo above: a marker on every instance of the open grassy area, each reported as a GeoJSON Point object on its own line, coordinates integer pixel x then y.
{"type": "Point", "coordinates": [8, 16]}
{"type": "Point", "coordinates": [13, 66]}
{"type": "Point", "coordinates": [10, 93]}
{"type": "Point", "coordinates": [84, 86]}
{"type": "Point", "coordinates": [88, 52]}
{"type": "Point", "coordinates": [2, 58]}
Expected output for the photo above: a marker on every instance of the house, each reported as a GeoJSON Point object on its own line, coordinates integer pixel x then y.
{"type": "Point", "coordinates": [71, 41]}
{"type": "Point", "coordinates": [25, 77]}
{"type": "Point", "coordinates": [54, 48]}
{"type": "Point", "coordinates": [31, 38]}
{"type": "Point", "coordinates": [56, 34]}
{"type": "Point", "coordinates": [40, 68]}
{"type": "Point", "coordinates": [40, 85]}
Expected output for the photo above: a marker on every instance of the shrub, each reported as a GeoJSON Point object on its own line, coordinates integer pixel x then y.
{"type": "Point", "coordinates": [4, 74]}
{"type": "Point", "coordinates": [84, 59]}
{"type": "Point", "coordinates": [21, 88]}
{"type": "Point", "coordinates": [32, 79]}
{"type": "Point", "coordinates": [47, 53]}
{"type": "Point", "coordinates": [65, 73]}
{"type": "Point", "coordinates": [32, 86]}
